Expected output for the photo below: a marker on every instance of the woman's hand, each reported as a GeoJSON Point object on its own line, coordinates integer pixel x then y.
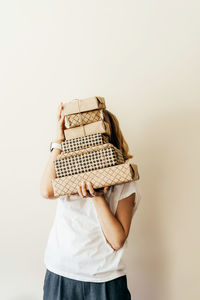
{"type": "Point", "coordinates": [85, 189]}
{"type": "Point", "coordinates": [60, 124]}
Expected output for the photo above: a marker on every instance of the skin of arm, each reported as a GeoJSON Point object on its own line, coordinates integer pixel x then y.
{"type": "Point", "coordinates": [46, 188]}
{"type": "Point", "coordinates": [115, 227]}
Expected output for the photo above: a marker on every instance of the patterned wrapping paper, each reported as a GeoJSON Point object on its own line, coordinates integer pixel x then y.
{"type": "Point", "coordinates": [84, 142]}
{"type": "Point", "coordinates": [96, 127]}
{"type": "Point", "coordinates": [84, 118]}
{"type": "Point", "coordinates": [80, 105]}
{"type": "Point", "coordinates": [86, 160]}
{"type": "Point", "coordinates": [99, 178]}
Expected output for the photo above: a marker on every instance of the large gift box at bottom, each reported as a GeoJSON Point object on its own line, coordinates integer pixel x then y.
{"type": "Point", "coordinates": [99, 178]}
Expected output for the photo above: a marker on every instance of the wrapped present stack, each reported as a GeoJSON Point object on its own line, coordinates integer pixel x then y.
{"type": "Point", "coordinates": [87, 153]}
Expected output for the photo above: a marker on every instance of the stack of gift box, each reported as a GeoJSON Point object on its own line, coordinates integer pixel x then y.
{"type": "Point", "coordinates": [87, 153]}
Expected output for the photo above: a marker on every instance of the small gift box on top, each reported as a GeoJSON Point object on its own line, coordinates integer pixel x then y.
{"type": "Point", "coordinates": [81, 105]}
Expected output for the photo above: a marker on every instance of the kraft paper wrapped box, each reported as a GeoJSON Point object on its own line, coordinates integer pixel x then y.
{"type": "Point", "coordinates": [96, 127]}
{"type": "Point", "coordinates": [86, 160]}
{"type": "Point", "coordinates": [84, 118]}
{"type": "Point", "coordinates": [80, 105]}
{"type": "Point", "coordinates": [86, 128]}
{"type": "Point", "coordinates": [84, 142]}
{"type": "Point", "coordinates": [99, 178]}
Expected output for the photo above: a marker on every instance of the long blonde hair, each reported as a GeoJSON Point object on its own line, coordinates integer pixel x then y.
{"type": "Point", "coordinates": [117, 138]}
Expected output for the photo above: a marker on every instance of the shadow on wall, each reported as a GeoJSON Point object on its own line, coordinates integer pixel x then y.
{"type": "Point", "coordinates": [167, 143]}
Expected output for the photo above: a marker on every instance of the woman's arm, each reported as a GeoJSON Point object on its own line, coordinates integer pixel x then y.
{"type": "Point", "coordinates": [46, 188]}
{"type": "Point", "coordinates": [115, 228]}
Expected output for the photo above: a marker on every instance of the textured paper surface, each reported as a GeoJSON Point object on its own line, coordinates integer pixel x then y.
{"type": "Point", "coordinates": [83, 142]}
{"type": "Point", "coordinates": [81, 105]}
{"type": "Point", "coordinates": [87, 150]}
{"type": "Point", "coordinates": [86, 160]}
{"type": "Point", "coordinates": [99, 178]}
{"type": "Point", "coordinates": [96, 127]}
{"type": "Point", "coordinates": [84, 118]}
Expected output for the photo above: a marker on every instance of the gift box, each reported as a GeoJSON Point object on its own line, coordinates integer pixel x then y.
{"type": "Point", "coordinates": [86, 160]}
{"type": "Point", "coordinates": [84, 142]}
{"type": "Point", "coordinates": [96, 127]}
{"type": "Point", "coordinates": [81, 105]}
{"type": "Point", "coordinates": [99, 178]}
{"type": "Point", "coordinates": [84, 118]}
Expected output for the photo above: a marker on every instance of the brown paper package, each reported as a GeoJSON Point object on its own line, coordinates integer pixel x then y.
{"type": "Point", "coordinates": [84, 142]}
{"type": "Point", "coordinates": [89, 159]}
{"type": "Point", "coordinates": [99, 178]}
{"type": "Point", "coordinates": [81, 105]}
{"type": "Point", "coordinates": [96, 127]}
{"type": "Point", "coordinates": [84, 118]}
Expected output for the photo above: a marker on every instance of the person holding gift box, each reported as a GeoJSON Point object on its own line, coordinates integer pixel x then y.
{"type": "Point", "coordinates": [89, 156]}
{"type": "Point", "coordinates": [84, 253]}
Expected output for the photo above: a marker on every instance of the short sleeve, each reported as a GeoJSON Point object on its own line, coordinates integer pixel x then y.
{"type": "Point", "coordinates": [123, 190]}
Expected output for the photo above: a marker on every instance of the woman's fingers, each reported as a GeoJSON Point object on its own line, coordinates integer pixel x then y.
{"type": "Point", "coordinates": [62, 120]}
{"type": "Point", "coordinates": [79, 191]}
{"type": "Point", "coordinates": [58, 113]}
{"type": "Point", "coordinates": [86, 186]}
{"type": "Point", "coordinates": [60, 107]}
{"type": "Point", "coordinates": [90, 188]}
{"type": "Point", "coordinates": [82, 189]}
{"type": "Point", "coordinates": [83, 186]}
{"type": "Point", "coordinates": [105, 190]}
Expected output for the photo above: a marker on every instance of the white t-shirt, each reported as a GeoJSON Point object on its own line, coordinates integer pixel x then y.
{"type": "Point", "coordinates": [77, 247]}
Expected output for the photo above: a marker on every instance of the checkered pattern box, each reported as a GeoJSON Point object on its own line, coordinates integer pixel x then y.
{"type": "Point", "coordinates": [86, 160]}
{"type": "Point", "coordinates": [84, 118]}
{"type": "Point", "coordinates": [96, 127]}
{"type": "Point", "coordinates": [84, 142]}
{"type": "Point", "coordinates": [80, 105]}
{"type": "Point", "coordinates": [99, 178]}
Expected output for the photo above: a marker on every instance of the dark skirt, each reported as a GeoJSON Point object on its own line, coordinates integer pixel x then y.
{"type": "Point", "coordinates": [57, 287]}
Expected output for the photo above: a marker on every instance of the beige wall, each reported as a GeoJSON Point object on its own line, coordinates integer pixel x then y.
{"type": "Point", "coordinates": [143, 57]}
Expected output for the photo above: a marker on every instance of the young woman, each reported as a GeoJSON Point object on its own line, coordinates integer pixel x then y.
{"type": "Point", "coordinates": [84, 253]}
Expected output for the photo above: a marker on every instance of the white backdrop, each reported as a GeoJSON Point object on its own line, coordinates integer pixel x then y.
{"type": "Point", "coordinates": [143, 57]}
